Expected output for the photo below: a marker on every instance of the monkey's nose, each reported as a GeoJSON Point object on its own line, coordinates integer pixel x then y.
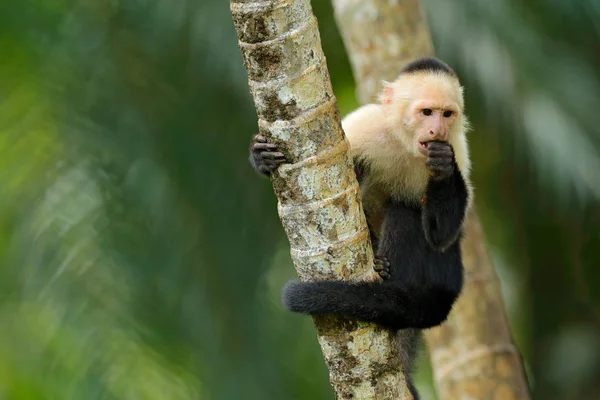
{"type": "Point", "coordinates": [440, 135]}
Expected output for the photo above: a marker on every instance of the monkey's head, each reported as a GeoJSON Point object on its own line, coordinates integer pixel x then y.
{"type": "Point", "coordinates": [425, 103]}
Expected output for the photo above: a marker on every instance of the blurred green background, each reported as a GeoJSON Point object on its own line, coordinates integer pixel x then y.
{"type": "Point", "coordinates": [142, 258]}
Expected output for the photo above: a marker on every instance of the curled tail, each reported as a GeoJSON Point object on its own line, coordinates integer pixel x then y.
{"type": "Point", "coordinates": [385, 303]}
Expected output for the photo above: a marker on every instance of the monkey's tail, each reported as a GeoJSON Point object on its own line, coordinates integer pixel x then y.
{"type": "Point", "coordinates": [385, 303]}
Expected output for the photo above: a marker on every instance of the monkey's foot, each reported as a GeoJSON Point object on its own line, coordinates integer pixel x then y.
{"type": "Point", "coordinates": [382, 266]}
{"type": "Point", "coordinates": [264, 156]}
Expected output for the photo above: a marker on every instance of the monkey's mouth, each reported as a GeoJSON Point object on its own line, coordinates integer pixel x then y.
{"type": "Point", "coordinates": [424, 145]}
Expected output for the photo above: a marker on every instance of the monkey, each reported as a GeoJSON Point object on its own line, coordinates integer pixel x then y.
{"type": "Point", "coordinates": [412, 164]}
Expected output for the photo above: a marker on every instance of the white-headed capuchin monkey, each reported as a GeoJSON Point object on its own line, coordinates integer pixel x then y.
{"type": "Point", "coordinates": [412, 163]}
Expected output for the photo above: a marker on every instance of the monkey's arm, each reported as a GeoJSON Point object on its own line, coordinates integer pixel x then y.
{"type": "Point", "coordinates": [446, 197]}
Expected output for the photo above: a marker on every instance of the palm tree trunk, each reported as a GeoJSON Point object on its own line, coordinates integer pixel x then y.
{"type": "Point", "coordinates": [317, 192]}
{"type": "Point", "coordinates": [472, 354]}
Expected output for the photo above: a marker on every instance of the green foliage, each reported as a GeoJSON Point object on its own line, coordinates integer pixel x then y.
{"type": "Point", "coordinates": [142, 258]}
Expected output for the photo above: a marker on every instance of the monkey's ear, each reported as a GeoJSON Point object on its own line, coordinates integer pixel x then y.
{"type": "Point", "coordinates": [386, 95]}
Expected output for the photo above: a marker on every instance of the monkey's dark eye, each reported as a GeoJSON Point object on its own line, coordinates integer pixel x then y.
{"type": "Point", "coordinates": [427, 111]}
{"type": "Point", "coordinates": [447, 113]}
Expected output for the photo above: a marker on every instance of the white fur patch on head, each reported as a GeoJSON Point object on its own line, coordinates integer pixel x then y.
{"type": "Point", "coordinates": [383, 134]}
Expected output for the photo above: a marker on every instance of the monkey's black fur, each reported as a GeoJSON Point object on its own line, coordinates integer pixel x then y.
{"type": "Point", "coordinates": [428, 64]}
{"type": "Point", "coordinates": [419, 244]}
{"type": "Point", "coordinates": [420, 241]}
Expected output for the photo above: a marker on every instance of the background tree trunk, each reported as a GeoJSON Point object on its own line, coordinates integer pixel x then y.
{"type": "Point", "coordinates": [317, 191]}
{"type": "Point", "coordinates": [472, 354]}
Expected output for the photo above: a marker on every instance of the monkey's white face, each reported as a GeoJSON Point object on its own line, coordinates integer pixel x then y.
{"type": "Point", "coordinates": [431, 121]}
{"type": "Point", "coordinates": [424, 108]}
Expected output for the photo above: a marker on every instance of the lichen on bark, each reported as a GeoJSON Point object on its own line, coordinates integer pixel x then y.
{"type": "Point", "coordinates": [318, 196]}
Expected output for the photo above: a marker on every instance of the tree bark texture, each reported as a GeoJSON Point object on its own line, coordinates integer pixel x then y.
{"type": "Point", "coordinates": [472, 354]}
{"type": "Point", "coordinates": [317, 191]}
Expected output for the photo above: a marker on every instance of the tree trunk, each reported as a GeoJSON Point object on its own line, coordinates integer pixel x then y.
{"type": "Point", "coordinates": [472, 354]}
{"type": "Point", "coordinates": [317, 192]}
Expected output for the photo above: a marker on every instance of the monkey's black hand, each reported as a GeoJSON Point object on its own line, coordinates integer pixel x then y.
{"type": "Point", "coordinates": [440, 160]}
{"type": "Point", "coordinates": [264, 156]}
{"type": "Point", "coordinates": [382, 266]}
